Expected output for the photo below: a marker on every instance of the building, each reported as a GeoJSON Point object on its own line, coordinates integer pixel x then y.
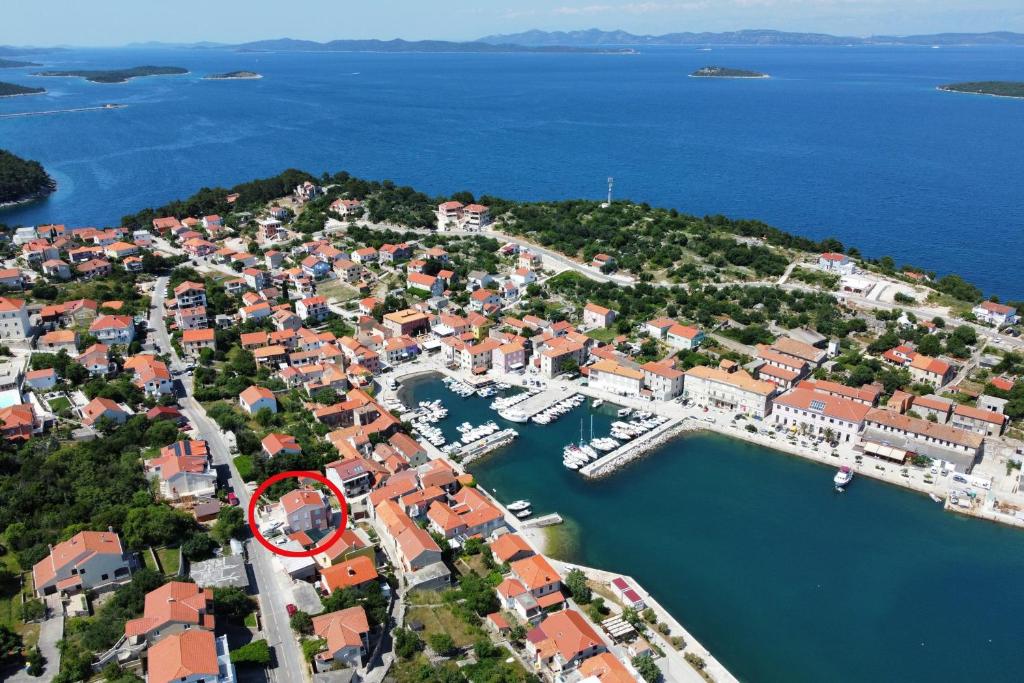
{"type": "Point", "coordinates": [509, 548]}
{"type": "Point", "coordinates": [728, 388]}
{"type": "Point", "coordinates": [562, 641]}
{"type": "Point", "coordinates": [192, 318]}
{"type": "Point", "coordinates": [421, 282]}
{"type": "Point", "coordinates": [193, 656]}
{"type": "Point", "coordinates": [537, 575]}
{"type": "Point", "coordinates": [345, 634]}
{"type": "Point", "coordinates": [836, 263]}
{"type": "Point", "coordinates": [99, 408]}
{"type": "Point", "coordinates": [356, 573]}
{"type": "Point", "coordinates": [59, 340]}
{"type": "Point", "coordinates": [616, 378]}
{"type": "Point", "coordinates": [408, 322]}
{"type": "Point", "coordinates": [183, 471]}
{"type": "Point", "coordinates": [255, 399]}
{"type": "Point", "coordinates": [995, 313]}
{"type": "Point", "coordinates": [816, 414]}
{"type": "Point", "coordinates": [684, 337]}
{"type": "Point", "coordinates": [14, 319]}
{"type": "Point", "coordinates": [977, 420]}
{"type": "Point", "coordinates": [903, 435]}
{"type": "Point", "coordinates": [314, 307]}
{"type": "Point", "coordinates": [194, 341]}
{"type": "Point", "coordinates": [664, 381]}
{"type": "Point", "coordinates": [190, 294]}
{"type": "Point", "coordinates": [933, 371]}
{"type": "Point", "coordinates": [89, 560]}
{"type": "Point", "coordinates": [275, 444]}
{"type": "Point", "coordinates": [597, 316]}
{"type": "Point", "coordinates": [306, 509]}
{"type": "Point", "coordinates": [113, 329]}
{"type": "Point", "coordinates": [172, 608]}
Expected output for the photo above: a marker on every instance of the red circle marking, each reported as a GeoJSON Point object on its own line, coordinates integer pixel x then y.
{"type": "Point", "coordinates": [315, 476]}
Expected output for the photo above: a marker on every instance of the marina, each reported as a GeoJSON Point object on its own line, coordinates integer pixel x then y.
{"type": "Point", "coordinates": [701, 495]}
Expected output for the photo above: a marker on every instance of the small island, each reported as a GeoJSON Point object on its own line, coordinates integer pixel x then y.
{"type": "Point", "coordinates": [233, 76]}
{"type": "Point", "coordinates": [118, 75]}
{"type": "Point", "coordinates": [15, 64]}
{"type": "Point", "coordinates": [994, 88]}
{"type": "Point", "coordinates": [725, 72]}
{"type": "Point", "coordinates": [22, 180]}
{"type": "Point", "coordinates": [13, 90]}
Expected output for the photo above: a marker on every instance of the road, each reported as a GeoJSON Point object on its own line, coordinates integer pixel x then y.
{"type": "Point", "coordinates": [272, 589]}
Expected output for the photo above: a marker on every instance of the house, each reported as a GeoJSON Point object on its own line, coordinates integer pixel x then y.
{"type": "Point", "coordinates": [315, 267]}
{"type": "Point", "coordinates": [42, 379]}
{"type": "Point", "coordinates": [190, 294]}
{"type": "Point", "coordinates": [56, 268]}
{"type": "Point", "coordinates": [483, 299]}
{"type": "Point", "coordinates": [113, 329]}
{"type": "Point", "coordinates": [902, 435]}
{"type": "Point", "coordinates": [476, 216]}
{"type": "Point", "coordinates": [836, 263]}
{"type": "Point", "coordinates": [150, 374]}
{"type": "Point", "coordinates": [428, 284]}
{"type": "Point", "coordinates": [364, 255]}
{"type": "Point", "coordinates": [470, 515]}
{"type": "Point", "coordinates": [59, 340]}
{"type": "Point", "coordinates": [514, 597]}
{"type": "Point", "coordinates": [13, 278]}
{"type": "Point", "coordinates": [14, 319]}
{"type": "Point", "coordinates": [509, 548]}
{"type": "Point", "coordinates": [172, 608]}
{"type": "Point", "coordinates": [393, 253]}
{"type": "Point", "coordinates": [995, 313]}
{"type": "Point", "coordinates": [529, 260]}
{"type": "Point", "coordinates": [191, 318]}
{"type": "Point", "coordinates": [354, 476]}
{"type": "Point", "coordinates": [936, 372]}
{"type": "Point", "coordinates": [605, 668]}
{"type": "Point", "coordinates": [560, 353]}
{"type": "Point", "coordinates": [120, 250]}
{"type": "Point", "coordinates": [194, 341]}
{"type": "Point", "coordinates": [193, 656]}
{"type": "Point", "coordinates": [183, 471]}
{"type": "Point", "coordinates": [562, 641]}
{"type": "Point", "coordinates": [346, 636]}
{"type": "Point", "coordinates": [103, 408]}
{"type": "Point", "coordinates": [306, 509]}
{"type": "Point", "coordinates": [352, 543]}
{"type": "Point", "coordinates": [664, 381]}
{"type": "Point", "coordinates": [255, 399]}
{"type": "Point", "coordinates": [729, 388]}
{"type": "Point", "coordinates": [348, 271]}
{"type": "Point", "coordinates": [595, 316]}
{"type": "Point", "coordinates": [523, 277]}
{"type": "Point", "coordinates": [684, 337]}
{"type": "Point", "coordinates": [89, 560]}
{"type": "Point", "coordinates": [356, 573]}
{"type": "Point", "coordinates": [166, 224]}
{"type": "Point", "coordinates": [979, 421]}
{"type": "Point", "coordinates": [17, 422]}
{"type": "Point", "coordinates": [449, 215]}
{"type": "Point", "coordinates": [94, 268]}
{"type": "Point", "coordinates": [314, 307]}
{"type": "Point", "coordinates": [537, 575]}
{"type": "Point", "coordinates": [658, 327]}
{"type": "Point", "coordinates": [275, 444]}
{"type": "Point", "coordinates": [616, 378]}
{"type": "Point", "coordinates": [809, 412]}
{"type": "Point", "coordinates": [602, 261]}
{"type": "Point", "coordinates": [509, 357]}
{"type": "Point", "coordinates": [344, 207]}
{"type": "Point", "coordinates": [408, 322]}
{"type": "Point", "coordinates": [256, 311]}
{"type": "Point", "coordinates": [96, 360]}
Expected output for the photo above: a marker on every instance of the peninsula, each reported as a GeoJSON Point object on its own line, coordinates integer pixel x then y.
{"type": "Point", "coordinates": [14, 64]}
{"type": "Point", "coordinates": [22, 180]}
{"type": "Point", "coordinates": [117, 75]}
{"type": "Point", "coordinates": [13, 90]}
{"type": "Point", "coordinates": [995, 88]}
{"type": "Point", "coordinates": [233, 76]}
{"type": "Point", "coordinates": [725, 72]}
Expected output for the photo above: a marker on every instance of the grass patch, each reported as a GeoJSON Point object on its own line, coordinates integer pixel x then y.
{"type": "Point", "coordinates": [147, 558]}
{"type": "Point", "coordinates": [245, 467]}
{"type": "Point", "coordinates": [423, 598]}
{"type": "Point", "coordinates": [336, 290]}
{"type": "Point", "coordinates": [250, 620]}
{"type": "Point", "coordinates": [60, 403]}
{"type": "Point", "coordinates": [169, 559]}
{"type": "Point", "coordinates": [603, 334]}
{"type": "Point", "coordinates": [441, 620]}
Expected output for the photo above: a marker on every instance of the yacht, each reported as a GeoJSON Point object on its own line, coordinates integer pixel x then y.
{"type": "Point", "coordinates": [598, 402]}
{"type": "Point", "coordinates": [518, 505]}
{"type": "Point", "coordinates": [523, 514]}
{"type": "Point", "coordinates": [571, 464]}
{"type": "Point", "coordinates": [843, 477]}
{"type": "Point", "coordinates": [624, 412]}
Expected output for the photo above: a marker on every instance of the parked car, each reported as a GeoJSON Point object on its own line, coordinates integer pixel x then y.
{"type": "Point", "coordinates": [291, 609]}
{"type": "Point", "coordinates": [232, 498]}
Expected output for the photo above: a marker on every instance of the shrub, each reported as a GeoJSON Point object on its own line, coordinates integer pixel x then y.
{"type": "Point", "coordinates": [442, 644]}
{"type": "Point", "coordinates": [256, 652]}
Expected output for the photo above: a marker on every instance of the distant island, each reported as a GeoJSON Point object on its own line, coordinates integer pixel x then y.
{"type": "Point", "coordinates": [233, 76]}
{"type": "Point", "coordinates": [13, 89]}
{"type": "Point", "coordinates": [118, 75]}
{"type": "Point", "coordinates": [725, 72]}
{"type": "Point", "coordinates": [997, 88]}
{"type": "Point", "coordinates": [596, 37]}
{"type": "Point", "coordinates": [14, 64]}
{"type": "Point", "coordinates": [292, 45]}
{"type": "Point", "coordinates": [22, 180]}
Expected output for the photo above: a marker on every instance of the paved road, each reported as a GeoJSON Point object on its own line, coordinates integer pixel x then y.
{"type": "Point", "coordinates": [272, 588]}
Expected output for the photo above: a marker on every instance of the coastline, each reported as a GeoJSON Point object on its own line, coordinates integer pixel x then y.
{"type": "Point", "coordinates": [984, 94]}
{"type": "Point", "coordinates": [39, 196]}
{"type": "Point", "coordinates": [24, 94]}
{"type": "Point", "coordinates": [232, 78]}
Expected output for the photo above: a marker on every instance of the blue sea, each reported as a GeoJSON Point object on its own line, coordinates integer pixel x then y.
{"type": "Point", "coordinates": [849, 142]}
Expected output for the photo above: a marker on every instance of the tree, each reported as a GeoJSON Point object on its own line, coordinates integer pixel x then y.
{"type": "Point", "coordinates": [302, 623]}
{"type": "Point", "coordinates": [407, 643]}
{"type": "Point", "coordinates": [256, 652]}
{"type": "Point", "coordinates": [36, 662]}
{"type": "Point", "coordinates": [10, 643]}
{"type": "Point", "coordinates": [576, 582]}
{"type": "Point", "coordinates": [442, 644]}
{"type": "Point", "coordinates": [198, 546]}
{"type": "Point", "coordinates": [230, 524]}
{"type": "Point", "coordinates": [311, 647]}
{"type": "Point", "coordinates": [232, 603]}
{"type": "Point", "coordinates": [647, 668]}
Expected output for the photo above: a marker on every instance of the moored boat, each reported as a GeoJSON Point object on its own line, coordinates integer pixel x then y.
{"type": "Point", "coordinates": [843, 477]}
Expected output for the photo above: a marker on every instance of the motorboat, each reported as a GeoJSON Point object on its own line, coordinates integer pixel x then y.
{"type": "Point", "coordinates": [624, 412]}
{"type": "Point", "coordinates": [518, 505]}
{"type": "Point", "coordinates": [598, 402]}
{"type": "Point", "coordinates": [843, 477]}
{"type": "Point", "coordinates": [523, 514]}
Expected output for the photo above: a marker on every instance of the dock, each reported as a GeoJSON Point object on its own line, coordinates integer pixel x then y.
{"type": "Point", "coordinates": [482, 447]}
{"type": "Point", "coordinates": [547, 520]}
{"type": "Point", "coordinates": [632, 449]}
{"type": "Point", "coordinates": [537, 403]}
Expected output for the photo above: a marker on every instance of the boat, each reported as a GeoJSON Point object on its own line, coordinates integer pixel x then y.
{"type": "Point", "coordinates": [935, 498]}
{"type": "Point", "coordinates": [518, 505]}
{"type": "Point", "coordinates": [571, 464]}
{"type": "Point", "coordinates": [843, 477]}
{"type": "Point", "coordinates": [523, 514]}
{"type": "Point", "coordinates": [624, 412]}
{"type": "Point", "coordinates": [598, 402]}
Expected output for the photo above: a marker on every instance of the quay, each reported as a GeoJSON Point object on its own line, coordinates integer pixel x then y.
{"type": "Point", "coordinates": [537, 403]}
{"type": "Point", "coordinates": [547, 520]}
{"type": "Point", "coordinates": [634, 448]}
{"type": "Point", "coordinates": [482, 447]}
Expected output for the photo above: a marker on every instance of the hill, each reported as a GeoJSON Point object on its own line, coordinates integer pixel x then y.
{"type": "Point", "coordinates": [12, 89]}
{"type": "Point", "coordinates": [22, 180]}
{"type": "Point", "coordinates": [15, 63]}
{"type": "Point", "coordinates": [118, 75]}
{"type": "Point", "coordinates": [998, 88]}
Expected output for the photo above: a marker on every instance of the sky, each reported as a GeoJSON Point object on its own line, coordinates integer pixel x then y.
{"type": "Point", "coordinates": [118, 22]}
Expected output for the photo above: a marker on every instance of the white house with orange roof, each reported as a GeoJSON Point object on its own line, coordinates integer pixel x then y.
{"type": "Point", "coordinates": [183, 471]}
{"type": "Point", "coordinates": [836, 263]}
{"type": "Point", "coordinates": [428, 284]}
{"type": "Point", "coordinates": [193, 656]}
{"type": "Point", "coordinates": [89, 560]}
{"type": "Point", "coordinates": [172, 608]}
{"type": "Point", "coordinates": [113, 329]}
{"type": "Point", "coordinates": [728, 387]}
{"type": "Point", "coordinates": [306, 509]}
{"type": "Point", "coordinates": [995, 313]}
{"type": "Point", "coordinates": [189, 294]}
{"type": "Point", "coordinates": [346, 637]}
{"type": "Point", "coordinates": [194, 341]}
{"type": "Point", "coordinates": [449, 215]}
{"type": "Point", "coordinates": [597, 316]}
{"type": "Point", "coordinates": [14, 319]}
{"type": "Point", "coordinates": [59, 340]}
{"type": "Point", "coordinates": [314, 307]}
{"type": "Point", "coordinates": [563, 641]}
{"type": "Point", "coordinates": [364, 255]}
{"type": "Point", "coordinates": [255, 399]}
{"type": "Point", "coordinates": [684, 337]}
{"type": "Point", "coordinates": [101, 407]}
{"type": "Point", "coordinates": [663, 379]}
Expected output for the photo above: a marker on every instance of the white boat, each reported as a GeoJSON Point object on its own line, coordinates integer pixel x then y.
{"type": "Point", "coordinates": [843, 477]}
{"type": "Point", "coordinates": [571, 464]}
{"type": "Point", "coordinates": [523, 514]}
{"type": "Point", "coordinates": [518, 505]}
{"type": "Point", "coordinates": [624, 412]}
{"type": "Point", "coordinates": [935, 498]}
{"type": "Point", "coordinates": [598, 402]}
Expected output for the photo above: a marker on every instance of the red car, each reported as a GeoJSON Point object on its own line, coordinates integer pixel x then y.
{"type": "Point", "coordinates": [232, 498]}
{"type": "Point", "coordinates": [291, 609]}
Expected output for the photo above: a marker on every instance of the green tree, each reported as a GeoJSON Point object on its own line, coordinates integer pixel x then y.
{"type": "Point", "coordinates": [256, 652]}
{"type": "Point", "coordinates": [647, 668]}
{"type": "Point", "coordinates": [10, 643]}
{"type": "Point", "coordinates": [407, 643]}
{"type": "Point", "coordinates": [230, 524]}
{"type": "Point", "coordinates": [576, 582]}
{"type": "Point", "coordinates": [302, 623]}
{"type": "Point", "coordinates": [442, 644]}
{"type": "Point", "coordinates": [232, 603]}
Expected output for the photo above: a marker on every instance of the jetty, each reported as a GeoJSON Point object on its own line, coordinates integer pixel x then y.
{"type": "Point", "coordinates": [635, 448]}
{"type": "Point", "coordinates": [546, 520]}
{"type": "Point", "coordinates": [491, 442]}
{"type": "Point", "coordinates": [535, 404]}
{"type": "Point", "coordinates": [102, 107]}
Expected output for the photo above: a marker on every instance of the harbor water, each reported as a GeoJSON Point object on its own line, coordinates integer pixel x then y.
{"type": "Point", "coordinates": [778, 576]}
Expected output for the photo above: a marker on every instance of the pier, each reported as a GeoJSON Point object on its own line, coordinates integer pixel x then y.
{"type": "Point", "coordinates": [482, 447]}
{"type": "Point", "coordinates": [103, 107]}
{"type": "Point", "coordinates": [632, 449]}
{"type": "Point", "coordinates": [524, 410]}
{"type": "Point", "coordinates": [547, 520]}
